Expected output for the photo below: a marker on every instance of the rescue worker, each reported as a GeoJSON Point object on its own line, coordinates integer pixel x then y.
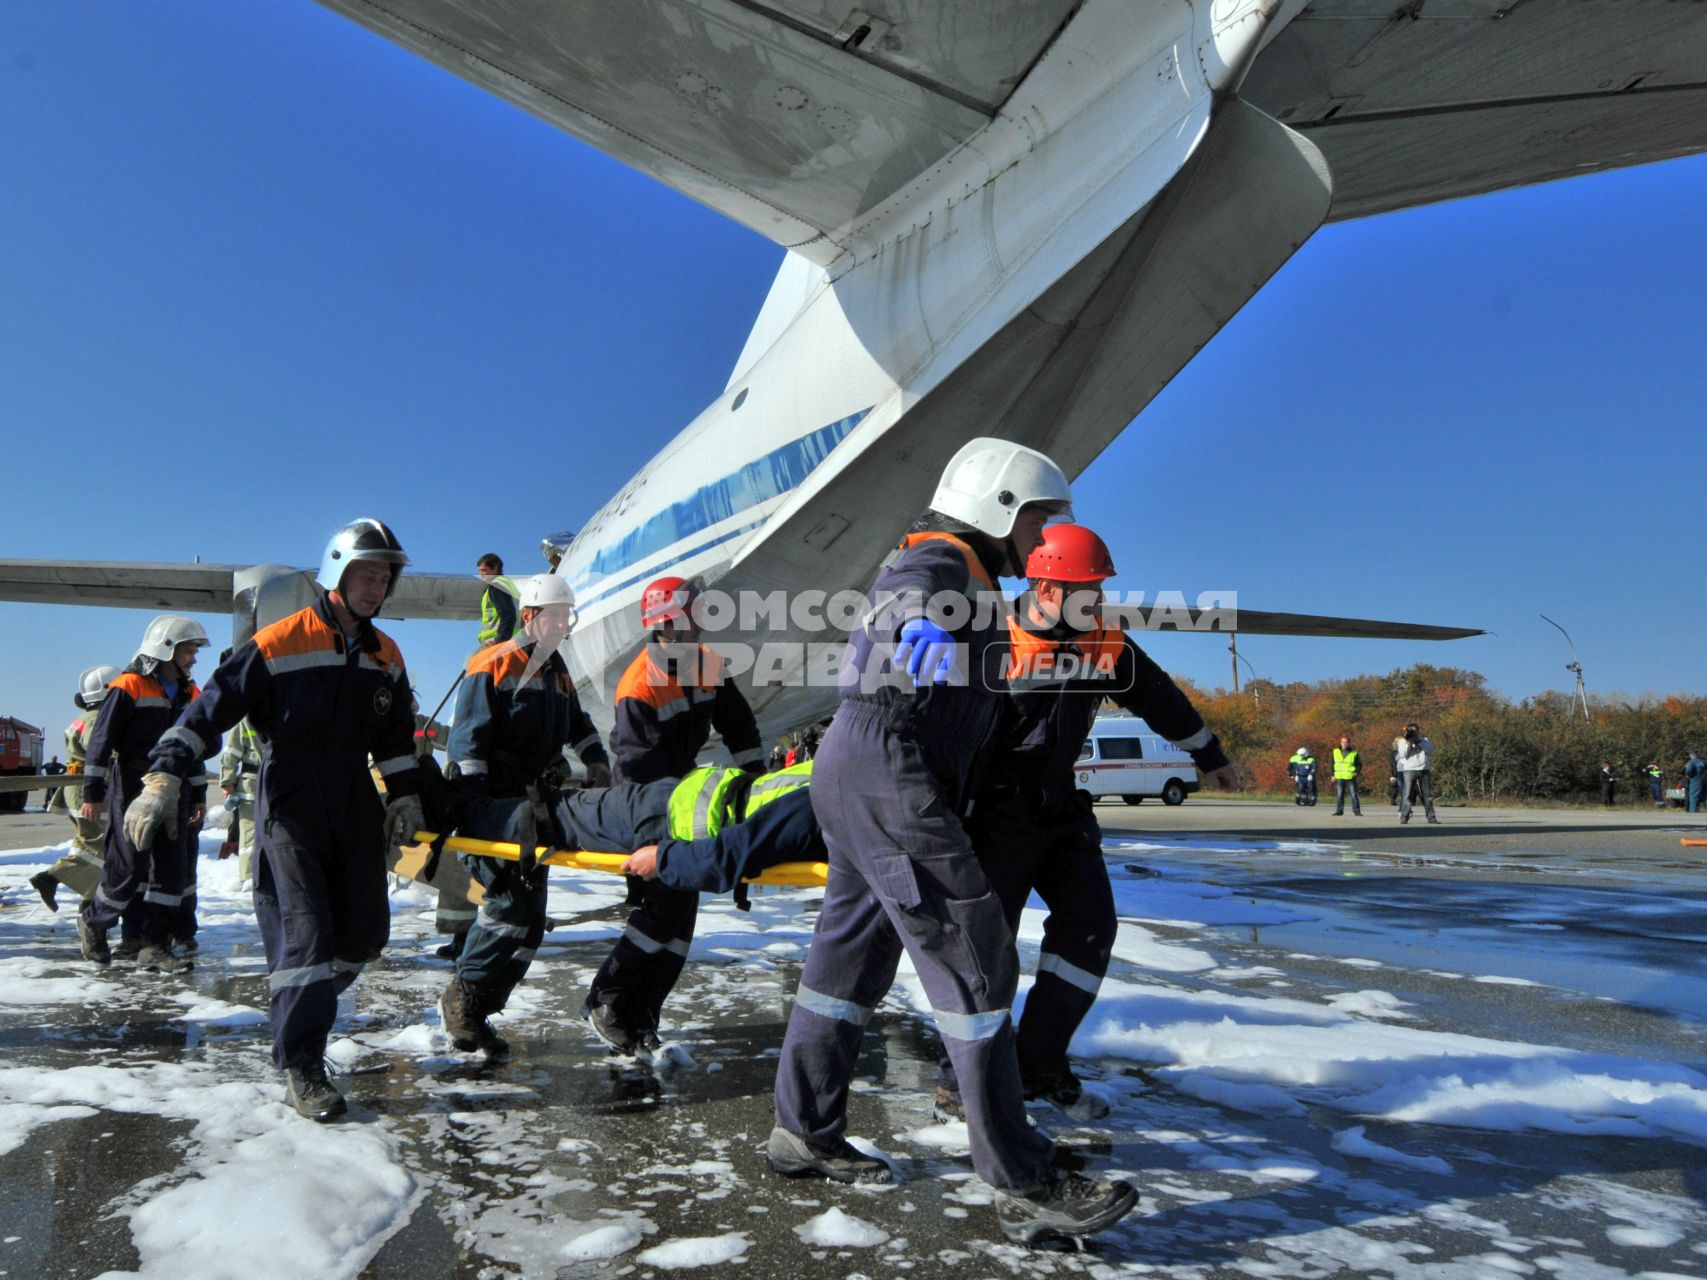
{"type": "Point", "coordinates": [516, 712]}
{"type": "Point", "coordinates": [669, 700]}
{"type": "Point", "coordinates": [1302, 767]}
{"type": "Point", "coordinates": [80, 869]}
{"type": "Point", "coordinates": [1656, 785]}
{"type": "Point", "coordinates": [239, 774]}
{"type": "Point", "coordinates": [893, 781]}
{"type": "Point", "coordinates": [1694, 781]}
{"type": "Point", "coordinates": [144, 874]}
{"type": "Point", "coordinates": [1034, 830]}
{"type": "Point", "coordinates": [1347, 765]}
{"type": "Point", "coordinates": [498, 621]}
{"type": "Point", "coordinates": [324, 688]}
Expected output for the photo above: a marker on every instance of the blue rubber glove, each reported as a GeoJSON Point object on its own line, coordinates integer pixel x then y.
{"type": "Point", "coordinates": [927, 651]}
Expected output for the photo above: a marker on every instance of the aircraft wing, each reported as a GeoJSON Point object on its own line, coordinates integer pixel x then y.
{"type": "Point", "coordinates": [205, 588]}
{"type": "Point", "coordinates": [1414, 101]}
{"type": "Point", "coordinates": [798, 118]}
{"type": "Point", "coordinates": [1261, 622]}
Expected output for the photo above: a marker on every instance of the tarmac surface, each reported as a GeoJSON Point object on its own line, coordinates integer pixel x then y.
{"type": "Point", "coordinates": [1603, 911]}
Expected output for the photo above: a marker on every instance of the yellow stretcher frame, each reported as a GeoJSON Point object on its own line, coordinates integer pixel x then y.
{"type": "Point", "coordinates": [787, 875]}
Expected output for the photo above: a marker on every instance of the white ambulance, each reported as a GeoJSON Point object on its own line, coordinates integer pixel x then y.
{"type": "Point", "coordinates": [1127, 758]}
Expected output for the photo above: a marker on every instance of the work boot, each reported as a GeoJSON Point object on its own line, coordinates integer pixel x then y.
{"type": "Point", "coordinates": [126, 948]}
{"type": "Point", "coordinates": [608, 1025]}
{"type": "Point", "coordinates": [452, 949]}
{"type": "Point", "coordinates": [838, 1160]}
{"type": "Point", "coordinates": [457, 1014]}
{"type": "Point", "coordinates": [1067, 1204]}
{"type": "Point", "coordinates": [44, 883]}
{"type": "Point", "coordinates": [94, 942]}
{"type": "Point", "coordinates": [160, 956]}
{"type": "Point", "coordinates": [1064, 1090]}
{"type": "Point", "coordinates": [187, 944]}
{"type": "Point", "coordinates": [947, 1108]}
{"type": "Point", "coordinates": [311, 1094]}
{"type": "Point", "coordinates": [1434, 822]}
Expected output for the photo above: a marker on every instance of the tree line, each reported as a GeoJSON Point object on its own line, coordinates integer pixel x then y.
{"type": "Point", "coordinates": [1487, 748]}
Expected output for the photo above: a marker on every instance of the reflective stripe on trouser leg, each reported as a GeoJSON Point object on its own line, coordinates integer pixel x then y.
{"type": "Point", "coordinates": [506, 932]}
{"type": "Point", "coordinates": [323, 913]}
{"type": "Point", "coordinates": [645, 962]}
{"type": "Point", "coordinates": [1078, 936]}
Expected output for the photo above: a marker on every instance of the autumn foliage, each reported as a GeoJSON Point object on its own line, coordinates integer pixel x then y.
{"type": "Point", "coordinates": [1487, 748]}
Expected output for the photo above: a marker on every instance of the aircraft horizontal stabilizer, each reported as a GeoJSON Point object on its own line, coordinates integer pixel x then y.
{"type": "Point", "coordinates": [1261, 622]}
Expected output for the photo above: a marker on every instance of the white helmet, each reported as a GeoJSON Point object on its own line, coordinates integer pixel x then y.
{"type": "Point", "coordinates": [987, 483]}
{"type": "Point", "coordinates": [166, 633]}
{"type": "Point", "coordinates": [92, 686]}
{"type": "Point", "coordinates": [361, 539]}
{"type": "Point", "coordinates": [1302, 751]}
{"type": "Point", "coordinates": [546, 589]}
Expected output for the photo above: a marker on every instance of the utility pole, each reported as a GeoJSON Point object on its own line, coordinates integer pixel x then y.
{"type": "Point", "coordinates": [1233, 648]}
{"type": "Point", "coordinates": [1575, 667]}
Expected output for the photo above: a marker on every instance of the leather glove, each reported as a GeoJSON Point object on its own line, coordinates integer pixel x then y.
{"type": "Point", "coordinates": [227, 849]}
{"type": "Point", "coordinates": [155, 807]}
{"type": "Point", "coordinates": [598, 775]}
{"type": "Point", "coordinates": [927, 651]}
{"type": "Point", "coordinates": [403, 818]}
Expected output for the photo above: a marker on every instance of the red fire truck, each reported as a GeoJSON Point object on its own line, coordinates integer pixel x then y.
{"type": "Point", "coordinates": [20, 753]}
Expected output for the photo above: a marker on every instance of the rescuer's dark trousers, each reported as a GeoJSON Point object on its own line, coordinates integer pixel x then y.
{"type": "Point", "coordinates": [510, 924]}
{"type": "Point", "coordinates": [1346, 788]}
{"type": "Point", "coordinates": [903, 874]}
{"type": "Point", "coordinates": [320, 900]}
{"type": "Point", "coordinates": [1059, 859]}
{"type": "Point", "coordinates": [644, 963]}
{"type": "Point", "coordinates": [184, 921]}
{"type": "Point", "coordinates": [1415, 781]}
{"type": "Point", "coordinates": [144, 886]}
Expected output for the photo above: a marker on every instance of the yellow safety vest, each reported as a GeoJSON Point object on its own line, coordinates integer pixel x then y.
{"type": "Point", "coordinates": [711, 797]}
{"type": "Point", "coordinates": [1345, 765]}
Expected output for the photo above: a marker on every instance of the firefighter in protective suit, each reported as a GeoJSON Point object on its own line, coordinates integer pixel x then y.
{"type": "Point", "coordinates": [147, 876]}
{"type": "Point", "coordinates": [669, 700]}
{"type": "Point", "coordinates": [325, 689]}
{"type": "Point", "coordinates": [80, 869]}
{"type": "Point", "coordinates": [1033, 828]}
{"type": "Point", "coordinates": [239, 773]}
{"type": "Point", "coordinates": [893, 782]}
{"type": "Point", "coordinates": [516, 712]}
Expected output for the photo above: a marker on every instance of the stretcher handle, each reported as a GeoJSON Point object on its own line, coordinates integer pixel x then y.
{"type": "Point", "coordinates": [792, 875]}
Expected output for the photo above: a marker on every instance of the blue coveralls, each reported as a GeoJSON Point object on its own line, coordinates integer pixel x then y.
{"type": "Point", "coordinates": [511, 725]}
{"type": "Point", "coordinates": [662, 724]}
{"type": "Point", "coordinates": [321, 704]}
{"type": "Point", "coordinates": [144, 885]}
{"type": "Point", "coordinates": [1035, 830]}
{"type": "Point", "coordinates": [892, 782]}
{"type": "Point", "coordinates": [1695, 783]}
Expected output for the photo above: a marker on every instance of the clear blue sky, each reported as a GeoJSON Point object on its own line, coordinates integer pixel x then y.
{"type": "Point", "coordinates": [264, 272]}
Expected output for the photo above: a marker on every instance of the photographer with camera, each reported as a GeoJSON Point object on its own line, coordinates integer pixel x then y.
{"type": "Point", "coordinates": [1410, 758]}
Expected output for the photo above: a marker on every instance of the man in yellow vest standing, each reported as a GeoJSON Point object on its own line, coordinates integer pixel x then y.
{"type": "Point", "coordinates": [1347, 765]}
{"type": "Point", "coordinates": [498, 620]}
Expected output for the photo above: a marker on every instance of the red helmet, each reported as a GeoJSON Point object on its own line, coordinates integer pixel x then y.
{"type": "Point", "coordinates": [1070, 553]}
{"type": "Point", "coordinates": [667, 600]}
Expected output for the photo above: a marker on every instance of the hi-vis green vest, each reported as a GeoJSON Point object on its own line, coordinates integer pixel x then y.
{"type": "Point", "coordinates": [713, 796]}
{"type": "Point", "coordinates": [1345, 765]}
{"type": "Point", "coordinates": [491, 621]}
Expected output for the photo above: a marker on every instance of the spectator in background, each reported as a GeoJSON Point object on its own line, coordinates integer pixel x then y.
{"type": "Point", "coordinates": [1411, 752]}
{"type": "Point", "coordinates": [1608, 784]}
{"type": "Point", "coordinates": [1348, 764]}
{"type": "Point", "coordinates": [1694, 781]}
